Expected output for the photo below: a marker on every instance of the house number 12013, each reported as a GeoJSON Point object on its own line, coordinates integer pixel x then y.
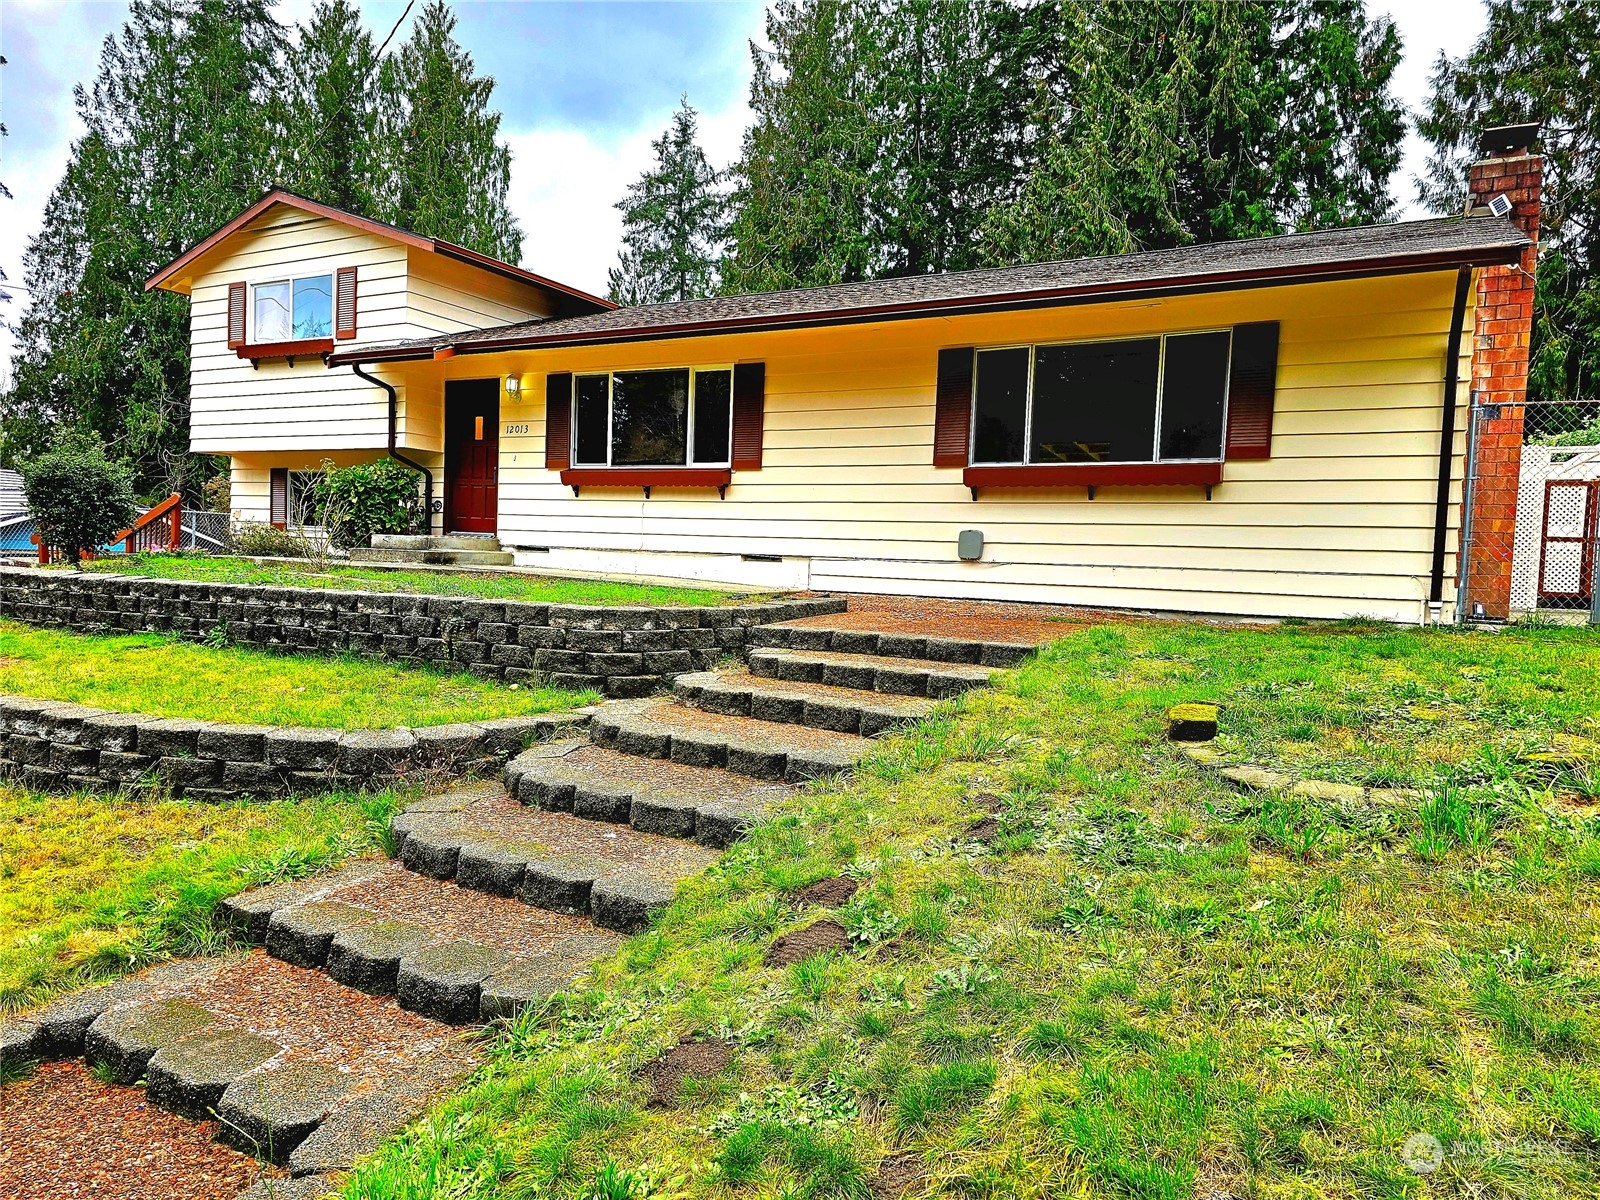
{"type": "Point", "coordinates": [510, 429]}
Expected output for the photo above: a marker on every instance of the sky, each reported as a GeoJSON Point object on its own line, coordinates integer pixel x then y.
{"type": "Point", "coordinates": [584, 88]}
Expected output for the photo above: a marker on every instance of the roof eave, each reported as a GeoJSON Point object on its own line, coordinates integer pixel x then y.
{"type": "Point", "coordinates": [1494, 255]}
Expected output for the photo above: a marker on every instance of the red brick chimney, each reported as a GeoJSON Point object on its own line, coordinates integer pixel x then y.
{"type": "Point", "coordinates": [1502, 328]}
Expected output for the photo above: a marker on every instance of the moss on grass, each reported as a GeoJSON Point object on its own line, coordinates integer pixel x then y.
{"type": "Point", "coordinates": [93, 886]}
{"type": "Point", "coordinates": [159, 675]}
{"type": "Point", "coordinates": [534, 589]}
{"type": "Point", "coordinates": [1146, 985]}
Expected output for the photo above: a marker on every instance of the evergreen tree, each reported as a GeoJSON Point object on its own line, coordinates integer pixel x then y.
{"type": "Point", "coordinates": [326, 113]}
{"type": "Point", "coordinates": [1536, 61]}
{"type": "Point", "coordinates": [672, 222]}
{"type": "Point", "coordinates": [5, 194]}
{"type": "Point", "coordinates": [445, 174]}
{"type": "Point", "coordinates": [174, 146]}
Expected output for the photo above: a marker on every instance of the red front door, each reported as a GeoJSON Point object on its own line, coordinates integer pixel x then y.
{"type": "Point", "coordinates": [471, 455]}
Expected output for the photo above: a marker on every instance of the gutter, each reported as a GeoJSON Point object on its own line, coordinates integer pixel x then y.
{"type": "Point", "coordinates": [394, 416]}
{"type": "Point", "coordinates": [1447, 438]}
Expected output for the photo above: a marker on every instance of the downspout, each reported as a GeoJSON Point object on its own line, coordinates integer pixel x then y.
{"type": "Point", "coordinates": [394, 417]}
{"type": "Point", "coordinates": [1447, 441]}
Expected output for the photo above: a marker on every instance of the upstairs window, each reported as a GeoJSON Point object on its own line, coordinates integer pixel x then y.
{"type": "Point", "coordinates": [293, 310]}
{"type": "Point", "coordinates": [666, 418]}
{"type": "Point", "coordinates": [1138, 400]}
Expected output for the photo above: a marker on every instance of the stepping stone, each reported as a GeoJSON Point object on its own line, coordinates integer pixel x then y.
{"type": "Point", "coordinates": [507, 992]}
{"type": "Point", "coordinates": [249, 913]}
{"type": "Point", "coordinates": [443, 981]}
{"type": "Point", "coordinates": [658, 791]}
{"type": "Point", "coordinates": [1256, 778]}
{"type": "Point", "coordinates": [434, 848]}
{"type": "Point", "coordinates": [353, 1131]}
{"type": "Point", "coordinates": [270, 1112]}
{"type": "Point", "coordinates": [627, 900]}
{"type": "Point", "coordinates": [308, 1187]}
{"type": "Point", "coordinates": [189, 1076]}
{"type": "Point", "coordinates": [495, 867]}
{"type": "Point", "coordinates": [817, 705]}
{"type": "Point", "coordinates": [17, 1038]}
{"type": "Point", "coordinates": [368, 956]}
{"type": "Point", "coordinates": [859, 638]}
{"type": "Point", "coordinates": [125, 1039]}
{"type": "Point", "coordinates": [1322, 789]}
{"type": "Point", "coordinates": [907, 676]}
{"type": "Point", "coordinates": [303, 935]}
{"type": "Point", "coordinates": [562, 883]}
{"type": "Point", "coordinates": [61, 1025]}
{"type": "Point", "coordinates": [745, 746]}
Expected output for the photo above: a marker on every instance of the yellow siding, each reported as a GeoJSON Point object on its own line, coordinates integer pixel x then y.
{"type": "Point", "coordinates": [401, 293]}
{"type": "Point", "coordinates": [1338, 522]}
{"type": "Point", "coordinates": [250, 476]}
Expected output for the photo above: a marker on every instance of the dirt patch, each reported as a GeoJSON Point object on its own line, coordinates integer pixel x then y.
{"type": "Point", "coordinates": [803, 943]}
{"type": "Point", "coordinates": [829, 893]}
{"type": "Point", "coordinates": [899, 1175]}
{"type": "Point", "coordinates": [67, 1134]}
{"type": "Point", "coordinates": [985, 830]}
{"type": "Point", "coordinates": [988, 801]}
{"type": "Point", "coordinates": [687, 1060]}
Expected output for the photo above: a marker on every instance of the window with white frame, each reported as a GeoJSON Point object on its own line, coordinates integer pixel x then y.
{"type": "Point", "coordinates": [661, 418]}
{"type": "Point", "coordinates": [1134, 400]}
{"type": "Point", "coordinates": [293, 310]}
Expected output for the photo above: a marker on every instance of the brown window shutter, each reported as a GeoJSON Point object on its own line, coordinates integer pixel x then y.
{"type": "Point", "coordinates": [952, 413]}
{"type": "Point", "coordinates": [1252, 380]}
{"type": "Point", "coordinates": [344, 308]}
{"type": "Point", "coordinates": [558, 422]}
{"type": "Point", "coordinates": [235, 315]}
{"type": "Point", "coordinates": [749, 414]}
{"type": "Point", "coordinates": [280, 497]}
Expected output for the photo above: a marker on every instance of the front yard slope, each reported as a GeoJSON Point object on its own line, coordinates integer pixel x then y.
{"type": "Point", "coordinates": [1030, 949]}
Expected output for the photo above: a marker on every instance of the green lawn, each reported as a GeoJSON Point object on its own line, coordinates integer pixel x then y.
{"type": "Point", "coordinates": [159, 675]}
{"type": "Point", "coordinates": [534, 589]}
{"type": "Point", "coordinates": [1149, 985]}
{"type": "Point", "coordinates": [93, 886]}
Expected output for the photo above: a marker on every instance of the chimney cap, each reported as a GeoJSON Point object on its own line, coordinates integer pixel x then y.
{"type": "Point", "coordinates": [1504, 140]}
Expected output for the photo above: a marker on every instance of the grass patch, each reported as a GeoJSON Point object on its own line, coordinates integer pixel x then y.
{"type": "Point", "coordinates": [157, 674]}
{"type": "Point", "coordinates": [95, 886]}
{"type": "Point", "coordinates": [535, 589]}
{"type": "Point", "coordinates": [1149, 986]}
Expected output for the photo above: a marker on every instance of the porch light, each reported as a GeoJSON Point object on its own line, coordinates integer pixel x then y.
{"type": "Point", "coordinates": [513, 386]}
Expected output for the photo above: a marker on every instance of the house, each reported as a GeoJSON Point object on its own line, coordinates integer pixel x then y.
{"type": "Point", "coordinates": [1270, 427]}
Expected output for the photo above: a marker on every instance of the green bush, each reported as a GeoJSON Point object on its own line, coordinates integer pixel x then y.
{"type": "Point", "coordinates": [369, 498]}
{"type": "Point", "coordinates": [265, 541]}
{"type": "Point", "coordinates": [78, 496]}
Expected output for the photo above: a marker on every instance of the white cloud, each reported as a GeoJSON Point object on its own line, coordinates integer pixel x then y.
{"type": "Point", "coordinates": [1426, 28]}
{"type": "Point", "coordinates": [565, 185]}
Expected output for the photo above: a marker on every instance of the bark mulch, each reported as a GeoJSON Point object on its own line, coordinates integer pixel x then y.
{"type": "Point", "coordinates": [980, 620]}
{"type": "Point", "coordinates": [499, 816]}
{"type": "Point", "coordinates": [64, 1134]}
{"type": "Point", "coordinates": [672, 716]}
{"type": "Point", "coordinates": [803, 943]}
{"type": "Point", "coordinates": [687, 1060]}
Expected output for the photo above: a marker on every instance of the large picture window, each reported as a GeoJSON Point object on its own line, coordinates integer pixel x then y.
{"type": "Point", "coordinates": [1138, 400]}
{"type": "Point", "coordinates": [665, 418]}
{"type": "Point", "coordinates": [293, 310]}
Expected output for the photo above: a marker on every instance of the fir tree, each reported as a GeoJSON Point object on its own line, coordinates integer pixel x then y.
{"type": "Point", "coordinates": [445, 173]}
{"type": "Point", "coordinates": [1536, 61]}
{"type": "Point", "coordinates": [672, 222]}
{"type": "Point", "coordinates": [326, 113]}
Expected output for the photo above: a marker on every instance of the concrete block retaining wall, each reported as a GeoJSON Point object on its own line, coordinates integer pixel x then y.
{"type": "Point", "coordinates": [623, 652]}
{"type": "Point", "coordinates": [52, 746]}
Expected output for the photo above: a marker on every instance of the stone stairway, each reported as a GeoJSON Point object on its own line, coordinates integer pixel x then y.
{"type": "Point", "coordinates": [449, 550]}
{"type": "Point", "coordinates": [501, 894]}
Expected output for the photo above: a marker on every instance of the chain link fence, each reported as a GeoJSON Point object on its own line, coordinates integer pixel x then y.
{"type": "Point", "coordinates": [1530, 530]}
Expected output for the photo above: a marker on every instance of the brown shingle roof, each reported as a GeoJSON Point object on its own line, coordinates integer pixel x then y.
{"type": "Point", "coordinates": [1409, 247]}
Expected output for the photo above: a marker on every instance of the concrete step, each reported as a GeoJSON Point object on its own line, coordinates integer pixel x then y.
{"type": "Point", "coordinates": [440, 948]}
{"type": "Point", "coordinates": [655, 795]}
{"type": "Point", "coordinates": [447, 541]}
{"type": "Point", "coordinates": [486, 841]}
{"type": "Point", "coordinates": [654, 728]}
{"type": "Point", "coordinates": [868, 672]}
{"type": "Point", "coordinates": [816, 633]}
{"type": "Point", "coordinates": [301, 1070]}
{"type": "Point", "coordinates": [435, 558]}
{"type": "Point", "coordinates": [843, 710]}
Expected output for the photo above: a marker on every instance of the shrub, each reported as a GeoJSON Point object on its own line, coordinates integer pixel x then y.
{"type": "Point", "coordinates": [267, 541]}
{"type": "Point", "coordinates": [78, 496]}
{"type": "Point", "coordinates": [218, 493]}
{"type": "Point", "coordinates": [369, 498]}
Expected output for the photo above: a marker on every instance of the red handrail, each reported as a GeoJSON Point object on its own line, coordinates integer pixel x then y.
{"type": "Point", "coordinates": [161, 528]}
